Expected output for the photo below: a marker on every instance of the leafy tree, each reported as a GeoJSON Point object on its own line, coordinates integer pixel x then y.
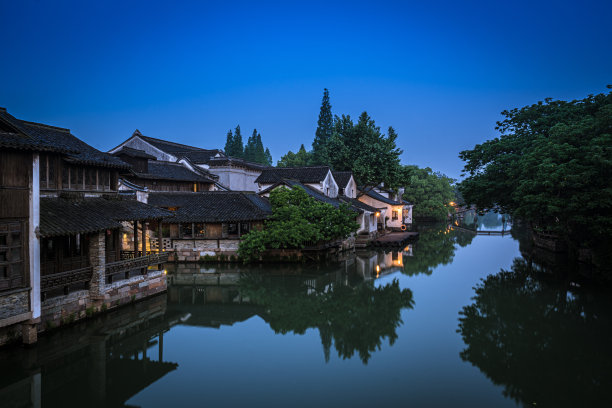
{"type": "Point", "coordinates": [299, 159]}
{"type": "Point", "coordinates": [430, 192]}
{"type": "Point", "coordinates": [323, 134]}
{"type": "Point", "coordinates": [551, 166]}
{"type": "Point", "coordinates": [296, 220]}
{"type": "Point", "coordinates": [363, 149]}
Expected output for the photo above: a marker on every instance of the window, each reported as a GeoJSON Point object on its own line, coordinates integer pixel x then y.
{"type": "Point", "coordinates": [232, 229]}
{"type": "Point", "coordinates": [186, 230]}
{"type": "Point", "coordinates": [65, 177]}
{"type": "Point", "coordinates": [11, 257]}
{"type": "Point", "coordinates": [90, 179]}
{"type": "Point", "coordinates": [244, 228]}
{"type": "Point", "coordinates": [200, 230]}
{"type": "Point", "coordinates": [394, 215]}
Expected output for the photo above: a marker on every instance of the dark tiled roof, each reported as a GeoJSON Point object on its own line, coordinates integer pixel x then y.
{"type": "Point", "coordinates": [314, 174]}
{"type": "Point", "coordinates": [163, 170]}
{"type": "Point", "coordinates": [358, 204]}
{"type": "Point", "coordinates": [311, 191]}
{"type": "Point", "coordinates": [370, 192]}
{"type": "Point", "coordinates": [139, 154]}
{"type": "Point", "coordinates": [44, 137]}
{"type": "Point", "coordinates": [201, 156]}
{"type": "Point", "coordinates": [212, 206]}
{"type": "Point", "coordinates": [233, 161]}
{"type": "Point", "coordinates": [342, 177]}
{"type": "Point", "coordinates": [64, 216]}
{"type": "Point", "coordinates": [167, 146]}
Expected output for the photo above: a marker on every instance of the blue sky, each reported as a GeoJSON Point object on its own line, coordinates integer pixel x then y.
{"type": "Point", "coordinates": [438, 72]}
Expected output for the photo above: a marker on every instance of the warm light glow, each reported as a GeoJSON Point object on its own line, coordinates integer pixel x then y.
{"type": "Point", "coordinates": [377, 268]}
{"type": "Point", "coordinates": [165, 272]}
{"type": "Point", "coordinates": [377, 214]}
{"type": "Point", "coordinates": [452, 203]}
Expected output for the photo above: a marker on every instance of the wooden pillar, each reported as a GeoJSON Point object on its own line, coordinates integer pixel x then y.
{"type": "Point", "coordinates": [135, 239]}
{"type": "Point", "coordinates": [144, 238]}
{"type": "Point", "coordinates": [159, 235]}
{"type": "Point", "coordinates": [239, 225]}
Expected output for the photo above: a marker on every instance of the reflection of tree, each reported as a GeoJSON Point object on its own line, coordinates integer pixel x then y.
{"type": "Point", "coordinates": [356, 319]}
{"type": "Point", "coordinates": [545, 344]}
{"type": "Point", "coordinates": [435, 246]}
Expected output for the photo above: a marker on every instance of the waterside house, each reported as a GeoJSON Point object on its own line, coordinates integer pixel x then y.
{"type": "Point", "coordinates": [231, 173]}
{"type": "Point", "coordinates": [157, 175]}
{"type": "Point", "coordinates": [61, 220]}
{"type": "Point", "coordinates": [207, 224]}
{"type": "Point", "coordinates": [394, 212]}
{"type": "Point", "coordinates": [320, 184]}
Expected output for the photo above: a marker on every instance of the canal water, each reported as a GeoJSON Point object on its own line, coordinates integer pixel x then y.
{"type": "Point", "coordinates": [453, 320]}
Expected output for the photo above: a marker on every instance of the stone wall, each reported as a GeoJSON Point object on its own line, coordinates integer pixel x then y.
{"type": "Point", "coordinates": [191, 250]}
{"type": "Point", "coordinates": [62, 310]}
{"type": "Point", "coordinates": [14, 303]}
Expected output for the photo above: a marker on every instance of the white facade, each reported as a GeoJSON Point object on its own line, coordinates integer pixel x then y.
{"type": "Point", "coordinates": [237, 178]}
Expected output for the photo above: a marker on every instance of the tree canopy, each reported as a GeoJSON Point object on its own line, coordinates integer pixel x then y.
{"type": "Point", "coordinates": [430, 192]}
{"type": "Point", "coordinates": [362, 148]}
{"type": "Point", "coordinates": [299, 159]}
{"type": "Point", "coordinates": [296, 220]}
{"type": "Point", "coordinates": [551, 165]}
{"type": "Point", "coordinates": [253, 151]}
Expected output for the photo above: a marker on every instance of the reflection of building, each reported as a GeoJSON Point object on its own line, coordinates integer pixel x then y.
{"type": "Point", "coordinates": [102, 363]}
{"type": "Point", "coordinates": [373, 265]}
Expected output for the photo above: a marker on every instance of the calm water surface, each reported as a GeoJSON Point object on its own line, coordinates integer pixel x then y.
{"type": "Point", "coordinates": [455, 320]}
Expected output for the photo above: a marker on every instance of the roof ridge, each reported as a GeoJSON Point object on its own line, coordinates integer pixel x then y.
{"type": "Point", "coordinates": [172, 143]}
{"type": "Point", "coordinates": [298, 167]}
{"type": "Point", "coordinates": [43, 125]}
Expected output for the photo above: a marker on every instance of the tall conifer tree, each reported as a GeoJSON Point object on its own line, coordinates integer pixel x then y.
{"type": "Point", "coordinates": [323, 134]}
{"type": "Point", "coordinates": [229, 143]}
{"type": "Point", "coordinates": [237, 149]}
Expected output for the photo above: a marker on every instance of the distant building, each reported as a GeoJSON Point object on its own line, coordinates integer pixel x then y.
{"type": "Point", "coordinates": [231, 173]}
{"type": "Point", "coordinates": [394, 212]}
{"type": "Point", "coordinates": [317, 177]}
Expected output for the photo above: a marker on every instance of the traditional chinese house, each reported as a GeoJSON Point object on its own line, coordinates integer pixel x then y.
{"type": "Point", "coordinates": [228, 173]}
{"type": "Point", "coordinates": [317, 177]}
{"type": "Point", "coordinates": [394, 212]}
{"type": "Point", "coordinates": [61, 221]}
{"type": "Point", "coordinates": [208, 223]}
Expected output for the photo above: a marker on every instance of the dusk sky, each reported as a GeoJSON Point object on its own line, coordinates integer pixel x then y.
{"type": "Point", "coordinates": [439, 72]}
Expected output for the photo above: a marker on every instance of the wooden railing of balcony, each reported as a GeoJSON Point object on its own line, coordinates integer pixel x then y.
{"type": "Point", "coordinates": [131, 264]}
{"type": "Point", "coordinates": [64, 280]}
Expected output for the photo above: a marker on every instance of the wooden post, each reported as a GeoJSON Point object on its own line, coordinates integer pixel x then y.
{"type": "Point", "coordinates": [239, 229]}
{"type": "Point", "coordinates": [144, 238]}
{"type": "Point", "coordinates": [159, 236]}
{"type": "Point", "coordinates": [135, 239]}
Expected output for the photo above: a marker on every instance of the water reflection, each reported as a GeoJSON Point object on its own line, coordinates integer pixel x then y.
{"type": "Point", "coordinates": [436, 246]}
{"type": "Point", "coordinates": [544, 339]}
{"type": "Point", "coordinates": [103, 362]}
{"type": "Point", "coordinates": [490, 221]}
{"type": "Point", "coordinates": [351, 313]}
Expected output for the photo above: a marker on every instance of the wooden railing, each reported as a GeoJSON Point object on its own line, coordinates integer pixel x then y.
{"type": "Point", "coordinates": [65, 279]}
{"type": "Point", "coordinates": [131, 264]}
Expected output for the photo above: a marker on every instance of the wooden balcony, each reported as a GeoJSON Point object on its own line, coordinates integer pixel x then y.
{"type": "Point", "coordinates": [132, 264]}
{"type": "Point", "coordinates": [65, 281]}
